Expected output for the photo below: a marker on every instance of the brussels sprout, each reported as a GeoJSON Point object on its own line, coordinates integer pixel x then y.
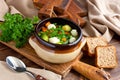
{"type": "Point", "coordinates": [44, 37]}
{"type": "Point", "coordinates": [66, 28]}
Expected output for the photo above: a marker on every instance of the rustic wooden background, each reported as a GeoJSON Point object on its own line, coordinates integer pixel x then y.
{"type": "Point", "coordinates": [73, 75]}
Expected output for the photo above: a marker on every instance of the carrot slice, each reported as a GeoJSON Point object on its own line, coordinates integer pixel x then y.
{"type": "Point", "coordinates": [44, 29]}
{"type": "Point", "coordinates": [64, 39]}
{"type": "Point", "coordinates": [48, 23]}
{"type": "Point", "coordinates": [67, 32]}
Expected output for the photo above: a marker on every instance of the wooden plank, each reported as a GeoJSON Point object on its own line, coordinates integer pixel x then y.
{"type": "Point", "coordinates": [47, 10]}
{"type": "Point", "coordinates": [62, 8]}
{"type": "Point", "coordinates": [82, 4]}
{"type": "Point", "coordinates": [27, 51]}
{"type": "Point", "coordinates": [73, 75]}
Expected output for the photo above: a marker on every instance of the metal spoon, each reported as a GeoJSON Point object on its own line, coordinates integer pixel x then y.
{"type": "Point", "coordinates": [17, 65]}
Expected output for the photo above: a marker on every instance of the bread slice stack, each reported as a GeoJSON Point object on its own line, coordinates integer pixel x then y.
{"type": "Point", "coordinates": [105, 54]}
{"type": "Point", "coordinates": [93, 42]}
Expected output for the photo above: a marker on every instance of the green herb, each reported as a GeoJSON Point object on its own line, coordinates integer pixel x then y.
{"type": "Point", "coordinates": [17, 28]}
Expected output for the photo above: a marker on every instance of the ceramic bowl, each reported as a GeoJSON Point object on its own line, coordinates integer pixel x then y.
{"type": "Point", "coordinates": [62, 21]}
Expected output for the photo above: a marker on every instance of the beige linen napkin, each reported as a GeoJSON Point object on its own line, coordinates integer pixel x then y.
{"type": "Point", "coordinates": [3, 9]}
{"type": "Point", "coordinates": [103, 18]}
{"type": "Point", "coordinates": [24, 7]}
{"type": "Point", "coordinates": [7, 74]}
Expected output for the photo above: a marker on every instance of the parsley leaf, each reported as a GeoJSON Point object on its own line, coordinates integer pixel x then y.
{"type": "Point", "coordinates": [17, 28]}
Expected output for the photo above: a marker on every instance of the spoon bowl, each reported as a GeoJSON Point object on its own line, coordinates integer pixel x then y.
{"type": "Point", "coordinates": [15, 64]}
{"type": "Point", "coordinates": [18, 66]}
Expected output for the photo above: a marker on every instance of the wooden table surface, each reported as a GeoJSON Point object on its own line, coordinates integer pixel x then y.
{"type": "Point", "coordinates": [73, 75]}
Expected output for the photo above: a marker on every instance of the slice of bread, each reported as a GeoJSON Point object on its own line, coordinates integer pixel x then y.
{"type": "Point", "coordinates": [106, 56]}
{"type": "Point", "coordinates": [93, 42]}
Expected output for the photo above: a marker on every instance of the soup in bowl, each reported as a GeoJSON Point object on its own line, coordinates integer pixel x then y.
{"type": "Point", "coordinates": [58, 33]}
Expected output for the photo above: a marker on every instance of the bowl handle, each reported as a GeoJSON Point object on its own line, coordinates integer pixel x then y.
{"type": "Point", "coordinates": [90, 72]}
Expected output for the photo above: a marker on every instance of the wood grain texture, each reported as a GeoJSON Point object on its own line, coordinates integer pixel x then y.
{"type": "Point", "coordinates": [72, 75]}
{"type": "Point", "coordinates": [28, 52]}
{"type": "Point", "coordinates": [61, 8]}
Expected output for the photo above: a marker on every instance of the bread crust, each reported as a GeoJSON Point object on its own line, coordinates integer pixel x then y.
{"type": "Point", "coordinates": [97, 56]}
{"type": "Point", "coordinates": [93, 42]}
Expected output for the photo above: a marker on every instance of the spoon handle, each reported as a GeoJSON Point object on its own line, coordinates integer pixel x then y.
{"type": "Point", "coordinates": [37, 77]}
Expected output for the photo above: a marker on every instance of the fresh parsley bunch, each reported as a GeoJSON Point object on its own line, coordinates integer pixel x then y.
{"type": "Point", "coordinates": [17, 28]}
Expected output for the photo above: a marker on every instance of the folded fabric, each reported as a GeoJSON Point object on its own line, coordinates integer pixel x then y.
{"type": "Point", "coordinates": [7, 74]}
{"type": "Point", "coordinates": [103, 18]}
{"type": "Point", "coordinates": [24, 7]}
{"type": "Point", "coordinates": [4, 9]}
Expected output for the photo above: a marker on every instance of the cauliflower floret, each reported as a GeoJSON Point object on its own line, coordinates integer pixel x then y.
{"type": "Point", "coordinates": [72, 39]}
{"type": "Point", "coordinates": [51, 26]}
{"type": "Point", "coordinates": [54, 40]}
{"type": "Point", "coordinates": [74, 32]}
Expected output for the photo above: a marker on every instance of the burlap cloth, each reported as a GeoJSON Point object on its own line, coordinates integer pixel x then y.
{"type": "Point", "coordinates": [103, 20]}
